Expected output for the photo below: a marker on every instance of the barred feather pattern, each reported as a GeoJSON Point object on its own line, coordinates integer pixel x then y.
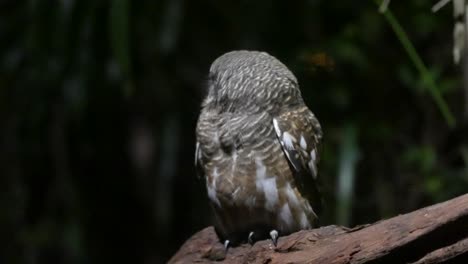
{"type": "Point", "coordinates": [259, 158]}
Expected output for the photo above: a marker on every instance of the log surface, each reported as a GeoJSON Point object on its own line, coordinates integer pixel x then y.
{"type": "Point", "coordinates": [434, 234]}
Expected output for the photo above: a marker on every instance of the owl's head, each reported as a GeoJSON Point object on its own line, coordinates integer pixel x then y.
{"type": "Point", "coordinates": [250, 81]}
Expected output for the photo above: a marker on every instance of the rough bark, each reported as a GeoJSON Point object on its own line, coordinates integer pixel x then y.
{"type": "Point", "coordinates": [435, 234]}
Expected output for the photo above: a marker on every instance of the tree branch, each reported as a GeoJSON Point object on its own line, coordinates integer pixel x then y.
{"type": "Point", "coordinates": [434, 234]}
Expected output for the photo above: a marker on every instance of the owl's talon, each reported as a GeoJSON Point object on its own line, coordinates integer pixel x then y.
{"type": "Point", "coordinates": [274, 236]}
{"type": "Point", "coordinates": [226, 245]}
{"type": "Point", "coordinates": [250, 239]}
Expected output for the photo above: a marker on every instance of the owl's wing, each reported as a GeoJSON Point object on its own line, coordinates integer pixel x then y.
{"type": "Point", "coordinates": [300, 135]}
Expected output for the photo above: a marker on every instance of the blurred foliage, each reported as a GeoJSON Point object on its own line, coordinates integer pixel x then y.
{"type": "Point", "coordinates": [419, 64]}
{"type": "Point", "coordinates": [99, 101]}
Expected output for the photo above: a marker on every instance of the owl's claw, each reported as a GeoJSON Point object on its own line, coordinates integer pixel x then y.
{"type": "Point", "coordinates": [226, 245]}
{"type": "Point", "coordinates": [274, 237]}
{"type": "Point", "coordinates": [250, 239]}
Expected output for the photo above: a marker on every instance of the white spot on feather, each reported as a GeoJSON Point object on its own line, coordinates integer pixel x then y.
{"type": "Point", "coordinates": [233, 164]}
{"type": "Point", "coordinates": [260, 171]}
{"type": "Point", "coordinates": [304, 222]}
{"type": "Point", "coordinates": [211, 188]}
{"type": "Point", "coordinates": [292, 197]}
{"type": "Point", "coordinates": [313, 168]}
{"type": "Point", "coordinates": [303, 143]}
{"type": "Point", "coordinates": [234, 157]}
{"type": "Point", "coordinates": [277, 129]}
{"type": "Point", "coordinates": [266, 185]}
{"type": "Point", "coordinates": [215, 176]}
{"type": "Point", "coordinates": [285, 215]}
{"type": "Point", "coordinates": [313, 155]}
{"type": "Point", "coordinates": [271, 193]}
{"type": "Point", "coordinates": [312, 163]}
{"type": "Point", "coordinates": [288, 140]}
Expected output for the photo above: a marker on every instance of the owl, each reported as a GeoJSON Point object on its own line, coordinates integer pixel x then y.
{"type": "Point", "coordinates": [257, 149]}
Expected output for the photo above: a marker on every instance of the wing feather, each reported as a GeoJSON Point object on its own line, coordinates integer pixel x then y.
{"type": "Point", "coordinates": [300, 135]}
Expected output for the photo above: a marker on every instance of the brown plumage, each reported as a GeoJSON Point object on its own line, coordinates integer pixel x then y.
{"type": "Point", "coordinates": [257, 148]}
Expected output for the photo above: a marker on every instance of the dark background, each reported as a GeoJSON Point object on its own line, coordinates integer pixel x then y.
{"type": "Point", "coordinates": [99, 101]}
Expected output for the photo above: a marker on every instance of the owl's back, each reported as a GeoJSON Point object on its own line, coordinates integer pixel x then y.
{"type": "Point", "coordinates": [249, 181]}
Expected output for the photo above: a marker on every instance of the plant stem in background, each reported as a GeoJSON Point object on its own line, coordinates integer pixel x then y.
{"type": "Point", "coordinates": [419, 64]}
{"type": "Point", "coordinates": [349, 155]}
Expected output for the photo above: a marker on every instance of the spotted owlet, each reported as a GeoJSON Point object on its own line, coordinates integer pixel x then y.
{"type": "Point", "coordinates": [257, 148]}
